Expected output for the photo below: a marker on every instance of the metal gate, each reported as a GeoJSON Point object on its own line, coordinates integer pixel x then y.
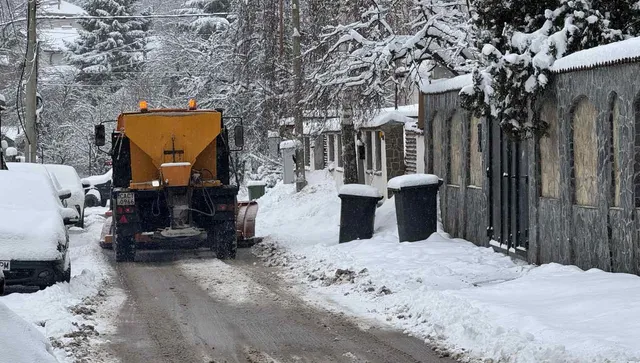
{"type": "Point", "coordinates": [508, 193]}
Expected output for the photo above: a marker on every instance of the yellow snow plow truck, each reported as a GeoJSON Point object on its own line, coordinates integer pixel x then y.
{"type": "Point", "coordinates": [171, 183]}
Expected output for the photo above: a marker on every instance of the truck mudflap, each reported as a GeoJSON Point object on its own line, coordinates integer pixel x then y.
{"type": "Point", "coordinates": [246, 224]}
{"type": "Point", "coordinates": [106, 235]}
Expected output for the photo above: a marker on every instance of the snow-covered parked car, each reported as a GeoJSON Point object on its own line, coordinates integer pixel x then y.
{"type": "Point", "coordinates": [34, 242]}
{"type": "Point", "coordinates": [63, 193]}
{"type": "Point", "coordinates": [69, 179]}
{"type": "Point", "coordinates": [97, 189]}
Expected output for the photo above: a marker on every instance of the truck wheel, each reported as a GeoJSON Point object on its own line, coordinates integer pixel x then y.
{"type": "Point", "coordinates": [225, 243]}
{"type": "Point", "coordinates": [125, 248]}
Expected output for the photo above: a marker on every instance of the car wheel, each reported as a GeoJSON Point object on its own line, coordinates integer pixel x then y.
{"type": "Point", "coordinates": [90, 201]}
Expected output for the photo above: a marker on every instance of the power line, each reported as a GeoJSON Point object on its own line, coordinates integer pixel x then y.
{"type": "Point", "coordinates": [116, 17]}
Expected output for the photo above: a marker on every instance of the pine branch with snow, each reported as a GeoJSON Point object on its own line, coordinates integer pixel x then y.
{"type": "Point", "coordinates": [516, 76]}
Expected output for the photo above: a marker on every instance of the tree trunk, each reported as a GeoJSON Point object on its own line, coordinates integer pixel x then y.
{"type": "Point", "coordinates": [349, 160]}
{"type": "Point", "coordinates": [301, 182]}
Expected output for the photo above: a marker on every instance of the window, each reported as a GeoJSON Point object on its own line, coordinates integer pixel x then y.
{"type": "Point", "coordinates": [475, 153]}
{"type": "Point", "coordinates": [339, 152]}
{"type": "Point", "coordinates": [377, 136]}
{"type": "Point", "coordinates": [438, 142]}
{"type": "Point", "coordinates": [455, 149]}
{"type": "Point", "coordinates": [584, 149]}
{"type": "Point", "coordinates": [332, 148]}
{"type": "Point", "coordinates": [549, 153]}
{"type": "Point", "coordinates": [369, 149]}
{"type": "Point", "coordinates": [614, 150]}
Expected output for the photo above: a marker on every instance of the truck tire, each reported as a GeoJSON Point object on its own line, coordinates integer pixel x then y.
{"type": "Point", "coordinates": [225, 243]}
{"type": "Point", "coordinates": [125, 248]}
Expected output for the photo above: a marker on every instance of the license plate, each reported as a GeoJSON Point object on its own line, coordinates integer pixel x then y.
{"type": "Point", "coordinates": [5, 265]}
{"type": "Point", "coordinates": [126, 199]}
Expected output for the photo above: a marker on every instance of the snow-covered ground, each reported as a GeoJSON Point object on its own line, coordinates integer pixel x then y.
{"type": "Point", "coordinates": [67, 312]}
{"type": "Point", "coordinates": [467, 300]}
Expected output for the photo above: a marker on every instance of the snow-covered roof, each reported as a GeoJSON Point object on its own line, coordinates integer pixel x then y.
{"type": "Point", "coordinates": [54, 39]}
{"type": "Point", "coordinates": [624, 51]}
{"type": "Point", "coordinates": [289, 144]}
{"type": "Point", "coordinates": [446, 85]}
{"type": "Point", "coordinates": [61, 8]}
{"type": "Point", "coordinates": [404, 114]}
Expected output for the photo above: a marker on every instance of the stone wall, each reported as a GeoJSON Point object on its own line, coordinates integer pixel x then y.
{"type": "Point", "coordinates": [463, 206]}
{"type": "Point", "coordinates": [394, 148]}
{"type": "Point", "coordinates": [583, 177]}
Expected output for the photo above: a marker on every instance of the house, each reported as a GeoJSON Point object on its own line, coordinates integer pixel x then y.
{"type": "Point", "coordinates": [55, 33]}
{"type": "Point", "coordinates": [572, 196]}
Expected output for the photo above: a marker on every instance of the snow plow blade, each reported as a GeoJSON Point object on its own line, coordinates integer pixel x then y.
{"type": "Point", "coordinates": [246, 224]}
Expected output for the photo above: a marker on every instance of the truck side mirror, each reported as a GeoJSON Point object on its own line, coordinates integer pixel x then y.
{"type": "Point", "coordinates": [238, 135]}
{"type": "Point", "coordinates": [100, 135]}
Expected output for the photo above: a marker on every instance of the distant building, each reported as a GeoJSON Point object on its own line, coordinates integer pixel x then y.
{"type": "Point", "coordinates": [55, 33]}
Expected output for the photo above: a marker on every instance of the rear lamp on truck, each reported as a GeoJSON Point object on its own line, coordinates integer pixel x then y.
{"type": "Point", "coordinates": [125, 210]}
{"type": "Point", "coordinates": [225, 207]}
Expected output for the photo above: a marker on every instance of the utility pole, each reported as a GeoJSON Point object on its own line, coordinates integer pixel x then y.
{"type": "Point", "coordinates": [301, 181]}
{"type": "Point", "coordinates": [31, 71]}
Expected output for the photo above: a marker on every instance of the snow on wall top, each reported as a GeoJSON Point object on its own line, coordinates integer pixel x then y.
{"type": "Point", "coordinates": [615, 53]}
{"type": "Point", "coordinates": [412, 180]}
{"type": "Point", "coordinates": [446, 85]}
{"type": "Point", "coordinates": [289, 144]}
{"type": "Point", "coordinates": [60, 8]}
{"type": "Point", "coordinates": [404, 114]}
{"type": "Point", "coordinates": [360, 190]}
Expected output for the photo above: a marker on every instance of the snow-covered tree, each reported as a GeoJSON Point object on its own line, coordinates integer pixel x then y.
{"type": "Point", "coordinates": [367, 54]}
{"type": "Point", "coordinates": [516, 75]}
{"type": "Point", "coordinates": [110, 49]}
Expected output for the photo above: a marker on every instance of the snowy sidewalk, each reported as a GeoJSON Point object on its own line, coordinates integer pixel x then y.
{"type": "Point", "coordinates": [473, 302]}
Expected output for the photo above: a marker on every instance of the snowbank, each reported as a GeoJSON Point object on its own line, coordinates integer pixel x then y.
{"type": "Point", "coordinates": [21, 342]}
{"type": "Point", "coordinates": [360, 190]}
{"type": "Point", "coordinates": [471, 301]}
{"type": "Point", "coordinates": [412, 180]}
